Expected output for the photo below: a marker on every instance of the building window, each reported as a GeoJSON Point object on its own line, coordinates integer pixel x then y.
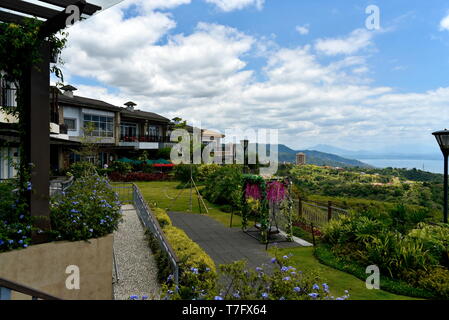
{"type": "Point", "coordinates": [8, 97]}
{"type": "Point", "coordinates": [102, 126]}
{"type": "Point", "coordinates": [128, 129]}
{"type": "Point", "coordinates": [70, 123]}
{"type": "Point", "coordinates": [153, 131]}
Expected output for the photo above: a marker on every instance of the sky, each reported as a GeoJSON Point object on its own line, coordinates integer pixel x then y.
{"type": "Point", "coordinates": [314, 70]}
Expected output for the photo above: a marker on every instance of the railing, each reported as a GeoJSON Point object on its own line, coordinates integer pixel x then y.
{"type": "Point", "coordinates": [151, 224]}
{"type": "Point", "coordinates": [60, 186]}
{"type": "Point", "coordinates": [317, 213]}
{"type": "Point", "coordinates": [145, 138]}
{"type": "Point", "coordinates": [8, 97]}
{"type": "Point", "coordinates": [7, 286]}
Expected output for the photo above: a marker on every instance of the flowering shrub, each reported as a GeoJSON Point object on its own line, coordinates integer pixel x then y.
{"type": "Point", "coordinates": [276, 191]}
{"type": "Point", "coordinates": [89, 209]}
{"type": "Point", "coordinates": [138, 176]}
{"type": "Point", "coordinates": [276, 281]}
{"type": "Point", "coordinates": [15, 225]}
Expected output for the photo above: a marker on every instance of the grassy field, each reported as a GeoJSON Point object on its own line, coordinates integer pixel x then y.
{"type": "Point", "coordinates": [165, 195]}
{"type": "Point", "coordinates": [338, 281]}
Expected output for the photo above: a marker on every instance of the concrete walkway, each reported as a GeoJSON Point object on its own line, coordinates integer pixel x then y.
{"type": "Point", "coordinates": [223, 244]}
{"type": "Point", "coordinates": [137, 270]}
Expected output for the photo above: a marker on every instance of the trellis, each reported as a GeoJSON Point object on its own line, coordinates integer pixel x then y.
{"type": "Point", "coordinates": [271, 202]}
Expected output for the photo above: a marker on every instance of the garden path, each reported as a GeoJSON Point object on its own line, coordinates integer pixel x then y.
{"type": "Point", "coordinates": [137, 269]}
{"type": "Point", "coordinates": [223, 244]}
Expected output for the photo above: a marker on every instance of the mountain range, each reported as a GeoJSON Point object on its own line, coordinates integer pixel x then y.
{"type": "Point", "coordinates": [318, 158]}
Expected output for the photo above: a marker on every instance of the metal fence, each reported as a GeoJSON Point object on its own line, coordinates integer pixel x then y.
{"type": "Point", "coordinates": [150, 222]}
{"type": "Point", "coordinates": [317, 213]}
{"type": "Point", "coordinates": [57, 187]}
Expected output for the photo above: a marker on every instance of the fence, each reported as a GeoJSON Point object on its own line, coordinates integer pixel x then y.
{"type": "Point", "coordinates": [130, 193]}
{"type": "Point", "coordinates": [57, 187]}
{"type": "Point", "coordinates": [7, 287]}
{"type": "Point", "coordinates": [317, 213]}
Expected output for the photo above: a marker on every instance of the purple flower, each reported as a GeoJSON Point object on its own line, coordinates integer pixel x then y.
{"type": "Point", "coordinates": [286, 279]}
{"type": "Point", "coordinates": [313, 295]}
{"type": "Point", "coordinates": [236, 295]}
{"type": "Point", "coordinates": [134, 297]}
{"type": "Point", "coordinates": [29, 186]}
{"type": "Point", "coordinates": [259, 269]}
{"type": "Point", "coordinates": [20, 231]}
{"type": "Point", "coordinates": [194, 270]}
{"type": "Point", "coordinates": [316, 287]}
{"type": "Point", "coordinates": [1, 242]}
{"type": "Point", "coordinates": [273, 260]}
{"type": "Point", "coordinates": [284, 269]}
{"type": "Point", "coordinates": [265, 295]}
{"type": "Point", "coordinates": [91, 230]}
{"type": "Point", "coordinates": [218, 298]}
{"type": "Point", "coordinates": [297, 289]}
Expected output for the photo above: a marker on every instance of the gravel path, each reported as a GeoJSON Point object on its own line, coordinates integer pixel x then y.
{"type": "Point", "coordinates": [137, 270]}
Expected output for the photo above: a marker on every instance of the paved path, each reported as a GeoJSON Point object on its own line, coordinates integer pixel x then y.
{"type": "Point", "coordinates": [222, 244]}
{"type": "Point", "coordinates": [136, 266]}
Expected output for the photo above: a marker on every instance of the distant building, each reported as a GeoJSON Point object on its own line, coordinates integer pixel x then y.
{"type": "Point", "coordinates": [300, 159]}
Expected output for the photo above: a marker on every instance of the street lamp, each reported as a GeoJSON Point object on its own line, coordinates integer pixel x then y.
{"type": "Point", "coordinates": [443, 141]}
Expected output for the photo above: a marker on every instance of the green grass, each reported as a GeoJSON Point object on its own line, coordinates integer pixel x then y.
{"type": "Point", "coordinates": [163, 194]}
{"type": "Point", "coordinates": [338, 281]}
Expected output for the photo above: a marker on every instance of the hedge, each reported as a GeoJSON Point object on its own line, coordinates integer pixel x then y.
{"type": "Point", "coordinates": [190, 255]}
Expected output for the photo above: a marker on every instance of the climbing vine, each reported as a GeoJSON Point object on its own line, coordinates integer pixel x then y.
{"type": "Point", "coordinates": [255, 188]}
{"type": "Point", "coordinates": [20, 47]}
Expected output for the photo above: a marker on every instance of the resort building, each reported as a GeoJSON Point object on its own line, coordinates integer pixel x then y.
{"type": "Point", "coordinates": [300, 159]}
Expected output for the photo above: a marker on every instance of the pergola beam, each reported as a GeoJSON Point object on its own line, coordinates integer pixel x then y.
{"type": "Point", "coordinates": [28, 8]}
{"type": "Point", "coordinates": [89, 8]}
{"type": "Point", "coordinates": [11, 18]}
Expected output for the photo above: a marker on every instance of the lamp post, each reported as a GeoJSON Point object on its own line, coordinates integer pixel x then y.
{"type": "Point", "coordinates": [443, 141]}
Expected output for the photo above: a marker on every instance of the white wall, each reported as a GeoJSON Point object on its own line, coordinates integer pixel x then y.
{"type": "Point", "coordinates": [78, 115]}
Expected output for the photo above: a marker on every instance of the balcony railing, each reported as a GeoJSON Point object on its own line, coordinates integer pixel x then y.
{"type": "Point", "coordinates": [8, 97]}
{"type": "Point", "coordinates": [143, 139]}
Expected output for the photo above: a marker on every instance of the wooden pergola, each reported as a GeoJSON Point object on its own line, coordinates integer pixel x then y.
{"type": "Point", "coordinates": [37, 95]}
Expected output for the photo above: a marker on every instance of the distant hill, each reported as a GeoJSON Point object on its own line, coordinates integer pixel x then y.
{"type": "Point", "coordinates": [376, 154]}
{"type": "Point", "coordinates": [318, 158]}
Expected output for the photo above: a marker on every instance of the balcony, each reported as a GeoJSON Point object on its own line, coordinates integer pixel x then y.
{"type": "Point", "coordinates": [142, 142]}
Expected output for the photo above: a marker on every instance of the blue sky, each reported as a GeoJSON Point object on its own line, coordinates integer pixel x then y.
{"type": "Point", "coordinates": [310, 69]}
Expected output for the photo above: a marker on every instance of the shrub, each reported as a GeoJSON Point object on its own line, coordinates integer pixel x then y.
{"type": "Point", "coordinates": [121, 167]}
{"type": "Point", "coordinates": [162, 217]}
{"type": "Point", "coordinates": [205, 171]}
{"type": "Point", "coordinates": [224, 186]}
{"type": "Point", "coordinates": [164, 153]}
{"type": "Point", "coordinates": [182, 172]}
{"type": "Point", "coordinates": [89, 209]}
{"type": "Point", "coordinates": [197, 269]}
{"type": "Point", "coordinates": [82, 169]}
{"type": "Point", "coordinates": [15, 222]}
{"type": "Point", "coordinates": [437, 281]}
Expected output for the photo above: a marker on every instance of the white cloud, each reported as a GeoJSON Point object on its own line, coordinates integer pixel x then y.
{"type": "Point", "coordinates": [303, 30]}
{"type": "Point", "coordinates": [231, 5]}
{"type": "Point", "coordinates": [352, 43]}
{"type": "Point", "coordinates": [444, 23]}
{"type": "Point", "coordinates": [203, 76]}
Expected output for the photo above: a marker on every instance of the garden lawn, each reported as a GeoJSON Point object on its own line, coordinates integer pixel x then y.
{"type": "Point", "coordinates": [338, 281]}
{"type": "Point", "coordinates": [162, 194]}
